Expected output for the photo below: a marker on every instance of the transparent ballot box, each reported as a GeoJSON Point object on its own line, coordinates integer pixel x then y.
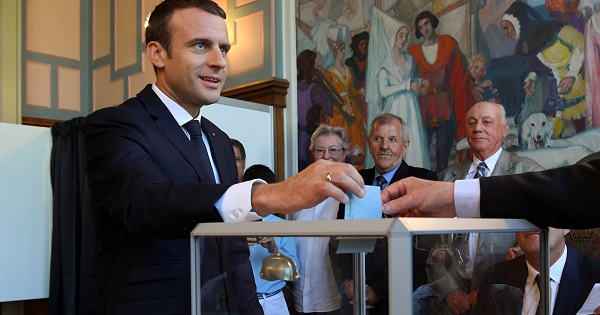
{"type": "Point", "coordinates": [384, 266]}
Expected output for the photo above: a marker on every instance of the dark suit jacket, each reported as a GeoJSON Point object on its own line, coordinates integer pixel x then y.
{"type": "Point", "coordinates": [565, 197]}
{"type": "Point", "coordinates": [376, 263]}
{"type": "Point", "coordinates": [578, 278]}
{"type": "Point", "coordinates": [148, 192]}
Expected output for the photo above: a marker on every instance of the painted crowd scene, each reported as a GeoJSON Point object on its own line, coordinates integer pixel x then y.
{"type": "Point", "coordinates": [429, 61]}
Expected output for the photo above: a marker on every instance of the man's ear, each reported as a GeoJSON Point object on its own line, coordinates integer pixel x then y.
{"type": "Point", "coordinates": [157, 54]}
{"type": "Point", "coordinates": [505, 129]}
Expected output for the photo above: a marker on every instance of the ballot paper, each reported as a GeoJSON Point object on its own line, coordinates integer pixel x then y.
{"type": "Point", "coordinates": [367, 207]}
{"type": "Point", "coordinates": [592, 301]}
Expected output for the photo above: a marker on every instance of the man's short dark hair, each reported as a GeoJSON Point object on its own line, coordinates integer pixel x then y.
{"type": "Point", "coordinates": [236, 143]}
{"type": "Point", "coordinates": [259, 171]}
{"type": "Point", "coordinates": [157, 25]}
{"type": "Point", "coordinates": [425, 15]}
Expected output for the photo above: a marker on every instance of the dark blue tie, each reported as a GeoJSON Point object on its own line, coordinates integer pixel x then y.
{"type": "Point", "coordinates": [480, 170]}
{"type": "Point", "coordinates": [381, 181]}
{"type": "Point", "coordinates": [193, 128]}
{"type": "Point", "coordinates": [539, 306]}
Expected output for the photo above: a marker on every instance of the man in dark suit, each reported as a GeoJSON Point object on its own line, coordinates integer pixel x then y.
{"type": "Point", "coordinates": [156, 168]}
{"type": "Point", "coordinates": [509, 287]}
{"type": "Point", "coordinates": [388, 142]}
{"type": "Point", "coordinates": [563, 197]}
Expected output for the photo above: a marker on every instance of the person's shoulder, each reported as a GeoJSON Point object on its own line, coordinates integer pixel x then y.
{"type": "Point", "coordinates": [423, 173]}
{"type": "Point", "coordinates": [212, 128]}
{"type": "Point", "coordinates": [447, 39]}
{"type": "Point", "coordinates": [451, 169]}
{"type": "Point", "coordinates": [119, 112]}
{"type": "Point", "coordinates": [525, 163]}
{"type": "Point", "coordinates": [414, 48]}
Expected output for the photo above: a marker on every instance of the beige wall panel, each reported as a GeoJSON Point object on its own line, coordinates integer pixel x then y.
{"type": "Point", "coordinates": [69, 89]}
{"type": "Point", "coordinates": [248, 53]}
{"type": "Point", "coordinates": [125, 33]}
{"type": "Point", "coordinates": [53, 27]}
{"type": "Point", "coordinates": [106, 92]}
{"type": "Point", "coordinates": [101, 28]}
{"type": "Point", "coordinates": [139, 80]}
{"type": "Point", "coordinates": [239, 3]}
{"type": "Point", "coordinates": [38, 84]}
{"type": "Point", "coordinates": [228, 21]}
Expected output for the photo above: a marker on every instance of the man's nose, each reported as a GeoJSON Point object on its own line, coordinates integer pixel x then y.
{"type": "Point", "coordinates": [216, 58]}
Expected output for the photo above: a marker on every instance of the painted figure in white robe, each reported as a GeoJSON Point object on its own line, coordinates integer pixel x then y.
{"type": "Point", "coordinates": [391, 83]}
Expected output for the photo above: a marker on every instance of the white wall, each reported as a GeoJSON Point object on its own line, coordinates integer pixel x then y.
{"type": "Point", "coordinates": [25, 212]}
{"type": "Point", "coordinates": [250, 123]}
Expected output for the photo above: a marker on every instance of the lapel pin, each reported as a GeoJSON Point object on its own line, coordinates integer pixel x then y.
{"type": "Point", "coordinates": [213, 134]}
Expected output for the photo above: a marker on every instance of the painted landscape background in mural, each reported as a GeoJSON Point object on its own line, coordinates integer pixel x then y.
{"type": "Point", "coordinates": [359, 58]}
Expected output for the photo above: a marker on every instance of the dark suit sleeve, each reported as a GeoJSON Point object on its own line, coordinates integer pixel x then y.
{"type": "Point", "coordinates": [139, 178]}
{"type": "Point", "coordinates": [565, 197]}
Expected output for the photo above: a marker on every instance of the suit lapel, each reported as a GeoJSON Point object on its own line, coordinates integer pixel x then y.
{"type": "Point", "coordinates": [221, 150]}
{"type": "Point", "coordinates": [503, 165]}
{"type": "Point", "coordinates": [368, 175]}
{"type": "Point", "coordinates": [401, 172]}
{"type": "Point", "coordinates": [569, 285]}
{"type": "Point", "coordinates": [167, 124]}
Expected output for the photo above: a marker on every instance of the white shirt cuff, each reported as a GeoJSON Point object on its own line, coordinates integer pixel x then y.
{"type": "Point", "coordinates": [236, 203]}
{"type": "Point", "coordinates": [466, 198]}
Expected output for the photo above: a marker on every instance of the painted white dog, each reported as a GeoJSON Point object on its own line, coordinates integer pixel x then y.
{"type": "Point", "coordinates": [536, 132]}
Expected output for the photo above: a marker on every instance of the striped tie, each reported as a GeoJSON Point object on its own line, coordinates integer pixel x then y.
{"type": "Point", "coordinates": [480, 170]}
{"type": "Point", "coordinates": [381, 181]}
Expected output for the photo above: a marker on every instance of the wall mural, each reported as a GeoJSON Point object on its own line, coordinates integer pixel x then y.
{"type": "Point", "coordinates": [359, 58]}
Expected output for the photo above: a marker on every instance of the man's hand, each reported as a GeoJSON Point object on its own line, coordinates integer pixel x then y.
{"type": "Point", "coordinates": [457, 303]}
{"type": "Point", "coordinates": [320, 180]}
{"type": "Point", "coordinates": [419, 197]}
{"type": "Point", "coordinates": [268, 242]}
{"type": "Point", "coordinates": [477, 93]}
{"type": "Point", "coordinates": [371, 297]}
{"type": "Point", "coordinates": [514, 252]}
{"type": "Point", "coordinates": [529, 87]}
{"type": "Point", "coordinates": [566, 85]}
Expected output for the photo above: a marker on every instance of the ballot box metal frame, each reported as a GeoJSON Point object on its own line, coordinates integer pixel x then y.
{"type": "Point", "coordinates": [398, 231]}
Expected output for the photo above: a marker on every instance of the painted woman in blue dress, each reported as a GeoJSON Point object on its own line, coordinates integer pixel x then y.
{"type": "Point", "coordinates": [391, 83]}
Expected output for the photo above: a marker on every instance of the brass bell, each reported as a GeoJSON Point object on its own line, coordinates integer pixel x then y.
{"type": "Point", "coordinates": [279, 267]}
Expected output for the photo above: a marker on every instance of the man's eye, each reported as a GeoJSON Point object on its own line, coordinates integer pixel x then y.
{"type": "Point", "coordinates": [200, 46]}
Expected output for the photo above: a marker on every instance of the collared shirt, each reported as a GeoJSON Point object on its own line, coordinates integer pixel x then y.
{"type": "Point", "coordinates": [531, 295]}
{"type": "Point", "coordinates": [474, 237]}
{"type": "Point", "coordinates": [388, 176]}
{"type": "Point", "coordinates": [258, 254]}
{"type": "Point", "coordinates": [317, 290]}
{"type": "Point", "coordinates": [236, 204]}
{"type": "Point", "coordinates": [489, 162]}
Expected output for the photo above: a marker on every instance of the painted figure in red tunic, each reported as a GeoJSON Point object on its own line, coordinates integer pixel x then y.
{"type": "Point", "coordinates": [443, 97]}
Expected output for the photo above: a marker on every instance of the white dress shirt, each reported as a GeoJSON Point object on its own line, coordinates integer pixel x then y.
{"type": "Point", "coordinates": [531, 295]}
{"type": "Point", "coordinates": [474, 237]}
{"type": "Point", "coordinates": [316, 291]}
{"type": "Point", "coordinates": [236, 203]}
